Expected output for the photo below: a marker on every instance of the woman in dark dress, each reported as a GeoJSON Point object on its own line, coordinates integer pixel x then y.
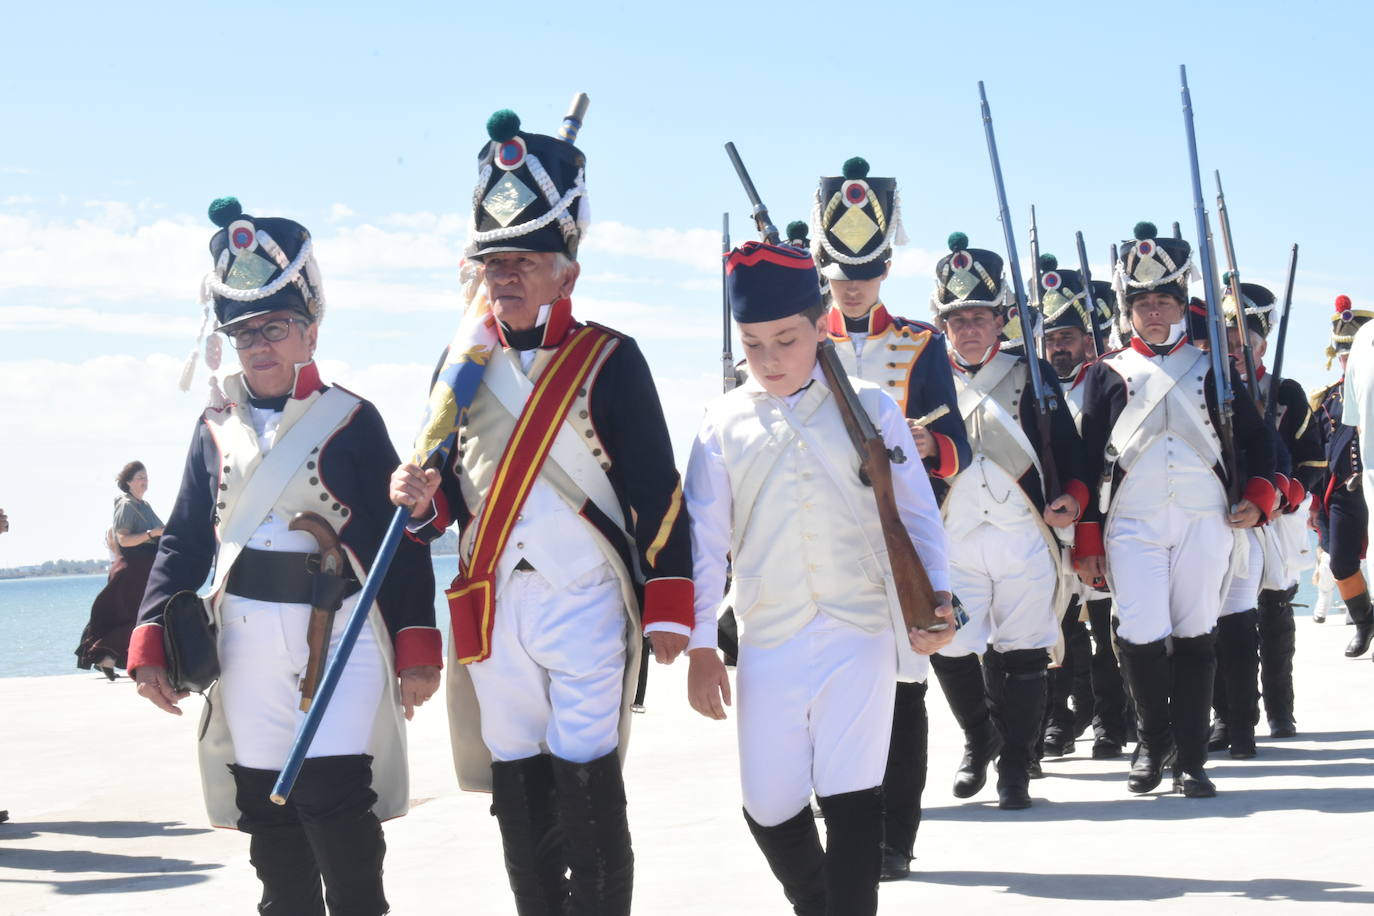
{"type": "Point", "coordinates": [134, 534]}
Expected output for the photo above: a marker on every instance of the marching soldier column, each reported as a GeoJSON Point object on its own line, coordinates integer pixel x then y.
{"type": "Point", "coordinates": [856, 221]}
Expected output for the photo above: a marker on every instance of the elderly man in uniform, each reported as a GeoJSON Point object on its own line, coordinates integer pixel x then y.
{"type": "Point", "coordinates": [1004, 559]}
{"type": "Point", "coordinates": [573, 540]}
{"type": "Point", "coordinates": [1339, 510]}
{"type": "Point", "coordinates": [275, 443]}
{"type": "Point", "coordinates": [856, 220]}
{"type": "Point", "coordinates": [1166, 543]}
{"type": "Point", "coordinates": [1070, 347]}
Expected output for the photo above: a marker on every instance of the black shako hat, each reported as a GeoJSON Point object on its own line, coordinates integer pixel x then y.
{"type": "Point", "coordinates": [967, 278]}
{"type": "Point", "coordinates": [1153, 265]}
{"type": "Point", "coordinates": [855, 221]}
{"type": "Point", "coordinates": [1063, 301]}
{"type": "Point", "coordinates": [767, 282]}
{"type": "Point", "coordinates": [1345, 322]}
{"type": "Point", "coordinates": [1258, 304]}
{"type": "Point", "coordinates": [531, 192]}
{"type": "Point", "coordinates": [261, 265]}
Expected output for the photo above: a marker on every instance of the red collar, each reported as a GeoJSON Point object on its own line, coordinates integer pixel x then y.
{"type": "Point", "coordinates": [556, 327]}
{"type": "Point", "coordinates": [1260, 372]}
{"type": "Point", "coordinates": [1144, 349]}
{"type": "Point", "coordinates": [878, 321]}
{"type": "Point", "coordinates": [307, 381]}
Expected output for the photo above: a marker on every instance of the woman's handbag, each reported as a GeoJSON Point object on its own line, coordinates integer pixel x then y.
{"type": "Point", "coordinates": [189, 642]}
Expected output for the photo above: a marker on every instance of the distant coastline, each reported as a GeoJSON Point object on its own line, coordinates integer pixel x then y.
{"type": "Point", "coordinates": [57, 568]}
{"type": "Point", "coordinates": [446, 545]}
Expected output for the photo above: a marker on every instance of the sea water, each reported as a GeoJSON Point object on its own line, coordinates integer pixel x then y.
{"type": "Point", "coordinates": [41, 619]}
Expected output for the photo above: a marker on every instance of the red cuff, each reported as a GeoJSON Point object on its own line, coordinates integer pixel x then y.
{"type": "Point", "coordinates": [145, 648]}
{"type": "Point", "coordinates": [442, 516]}
{"type": "Point", "coordinates": [1087, 541]}
{"type": "Point", "coordinates": [948, 455]}
{"type": "Point", "coordinates": [1260, 492]}
{"type": "Point", "coordinates": [669, 600]}
{"type": "Point", "coordinates": [1079, 491]}
{"type": "Point", "coordinates": [417, 646]}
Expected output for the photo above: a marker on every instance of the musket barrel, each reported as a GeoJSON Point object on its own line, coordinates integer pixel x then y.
{"type": "Point", "coordinates": [1091, 298]}
{"type": "Point", "coordinates": [1233, 268]}
{"type": "Point", "coordinates": [1272, 405]}
{"type": "Point", "coordinates": [572, 121]}
{"type": "Point", "coordinates": [759, 212]}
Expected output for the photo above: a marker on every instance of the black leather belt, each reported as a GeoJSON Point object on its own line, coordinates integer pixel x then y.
{"type": "Point", "coordinates": [287, 578]}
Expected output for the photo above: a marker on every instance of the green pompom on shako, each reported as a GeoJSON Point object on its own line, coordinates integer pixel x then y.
{"type": "Point", "coordinates": [957, 241]}
{"type": "Point", "coordinates": [224, 210]}
{"type": "Point", "coordinates": [1048, 262]}
{"type": "Point", "coordinates": [855, 168]}
{"type": "Point", "coordinates": [1145, 230]}
{"type": "Point", "coordinates": [796, 231]}
{"type": "Point", "coordinates": [503, 125]}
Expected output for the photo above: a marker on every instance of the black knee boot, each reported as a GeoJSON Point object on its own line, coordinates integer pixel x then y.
{"type": "Point", "coordinates": [1060, 726]}
{"type": "Point", "coordinates": [961, 679]}
{"type": "Point", "coordinates": [904, 780]}
{"type": "Point", "coordinates": [1219, 738]}
{"type": "Point", "coordinates": [1359, 610]}
{"type": "Point", "coordinates": [596, 835]}
{"type": "Point", "coordinates": [1194, 662]}
{"type": "Point", "coordinates": [277, 847]}
{"type": "Point", "coordinates": [1109, 696]}
{"type": "Point", "coordinates": [1277, 642]}
{"type": "Point", "coordinates": [334, 798]}
{"type": "Point", "coordinates": [1017, 708]}
{"type": "Point", "coordinates": [793, 852]}
{"type": "Point", "coordinates": [1146, 668]}
{"type": "Point", "coordinates": [525, 804]}
{"type": "Point", "coordinates": [853, 851]}
{"type": "Point", "coordinates": [1238, 669]}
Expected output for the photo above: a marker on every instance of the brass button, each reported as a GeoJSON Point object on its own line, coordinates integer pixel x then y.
{"type": "Point", "coordinates": [222, 505]}
{"type": "Point", "coordinates": [344, 512]}
{"type": "Point", "coordinates": [310, 465]}
{"type": "Point", "coordinates": [582, 414]}
{"type": "Point", "coordinates": [582, 392]}
{"type": "Point", "coordinates": [336, 507]}
{"type": "Point", "coordinates": [314, 480]}
{"type": "Point", "coordinates": [224, 486]}
{"type": "Point", "coordinates": [590, 433]}
{"type": "Point", "coordinates": [596, 452]}
{"type": "Point", "coordinates": [324, 497]}
{"type": "Point", "coordinates": [605, 465]}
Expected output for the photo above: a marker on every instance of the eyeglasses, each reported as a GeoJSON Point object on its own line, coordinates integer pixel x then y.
{"type": "Point", "coordinates": [271, 331]}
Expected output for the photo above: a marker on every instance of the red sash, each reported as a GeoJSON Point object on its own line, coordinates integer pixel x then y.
{"type": "Point", "coordinates": [471, 598]}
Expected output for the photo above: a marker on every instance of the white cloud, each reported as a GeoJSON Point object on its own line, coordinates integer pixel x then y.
{"type": "Point", "coordinates": [102, 321]}
{"type": "Point", "coordinates": [695, 248]}
{"type": "Point", "coordinates": [340, 212]}
{"type": "Point", "coordinates": [15, 170]}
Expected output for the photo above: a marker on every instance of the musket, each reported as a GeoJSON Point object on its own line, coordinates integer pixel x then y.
{"type": "Point", "coordinates": [1233, 278]}
{"type": "Point", "coordinates": [1098, 341]}
{"type": "Point", "coordinates": [727, 358]}
{"type": "Point", "coordinates": [1026, 335]}
{"type": "Point", "coordinates": [1112, 255]}
{"type": "Point", "coordinates": [1271, 407]}
{"type": "Point", "coordinates": [1216, 327]}
{"type": "Point", "coordinates": [437, 432]}
{"type": "Point", "coordinates": [915, 594]}
{"type": "Point", "coordinates": [1178, 233]}
{"type": "Point", "coordinates": [1045, 398]}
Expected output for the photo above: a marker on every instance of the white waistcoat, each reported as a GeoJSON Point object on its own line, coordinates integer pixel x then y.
{"type": "Point", "coordinates": [811, 542]}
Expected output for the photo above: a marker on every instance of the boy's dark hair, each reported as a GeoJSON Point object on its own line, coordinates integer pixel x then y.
{"type": "Point", "coordinates": [814, 313]}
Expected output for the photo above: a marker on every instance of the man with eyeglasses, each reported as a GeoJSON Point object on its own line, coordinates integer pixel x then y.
{"type": "Point", "coordinates": [275, 443]}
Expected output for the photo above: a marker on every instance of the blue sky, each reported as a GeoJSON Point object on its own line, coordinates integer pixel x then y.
{"type": "Point", "coordinates": [363, 121]}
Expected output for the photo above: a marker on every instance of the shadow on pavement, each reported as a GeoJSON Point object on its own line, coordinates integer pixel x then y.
{"type": "Point", "coordinates": [1233, 800]}
{"type": "Point", "coordinates": [104, 830]}
{"type": "Point", "coordinates": [1148, 887]}
{"type": "Point", "coordinates": [140, 873]}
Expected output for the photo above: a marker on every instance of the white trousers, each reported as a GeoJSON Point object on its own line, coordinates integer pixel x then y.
{"type": "Point", "coordinates": [263, 655]}
{"type": "Point", "coordinates": [1243, 594]}
{"type": "Point", "coordinates": [556, 673]}
{"type": "Point", "coordinates": [815, 712]}
{"type": "Point", "coordinates": [1005, 579]}
{"type": "Point", "coordinates": [1166, 572]}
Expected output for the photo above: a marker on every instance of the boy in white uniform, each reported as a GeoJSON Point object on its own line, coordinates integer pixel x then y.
{"type": "Point", "coordinates": [773, 483]}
